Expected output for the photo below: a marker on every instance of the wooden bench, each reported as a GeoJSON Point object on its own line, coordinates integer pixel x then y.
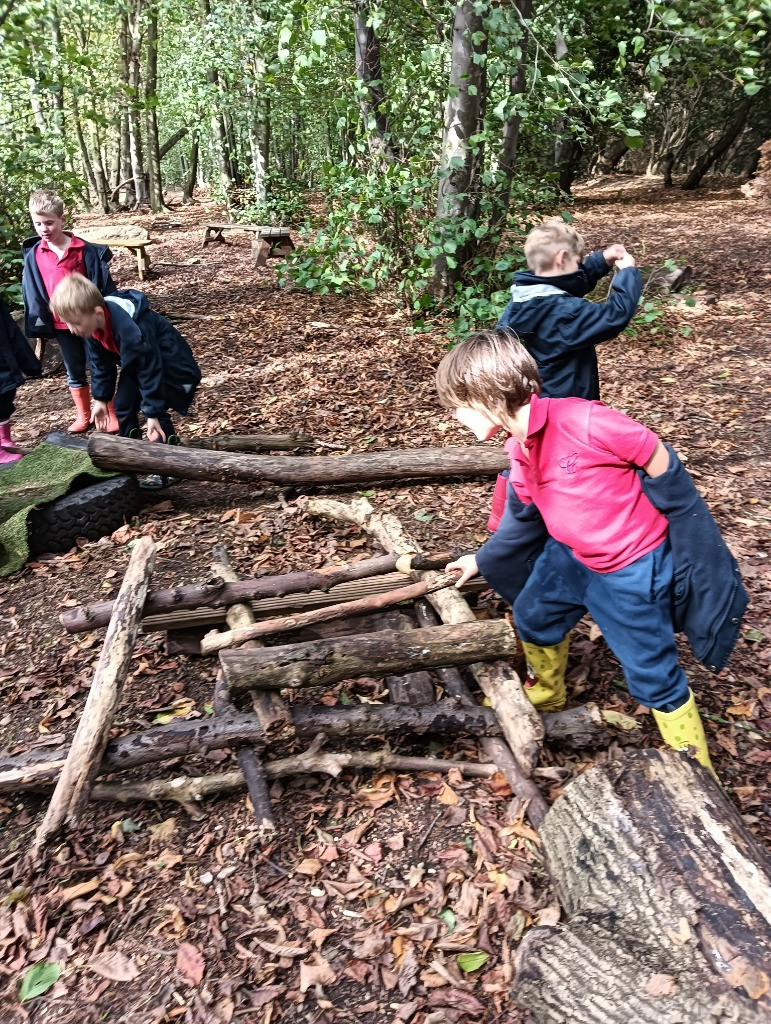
{"type": "Point", "coordinates": [123, 236]}
{"type": "Point", "coordinates": [268, 241]}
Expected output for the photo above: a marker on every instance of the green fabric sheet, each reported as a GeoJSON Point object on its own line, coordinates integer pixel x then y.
{"type": "Point", "coordinates": [45, 474]}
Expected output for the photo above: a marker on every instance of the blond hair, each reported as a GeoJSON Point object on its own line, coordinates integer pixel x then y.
{"type": "Point", "coordinates": [73, 296]}
{"type": "Point", "coordinates": [491, 371]}
{"type": "Point", "coordinates": [45, 200]}
{"type": "Point", "coordinates": [545, 241]}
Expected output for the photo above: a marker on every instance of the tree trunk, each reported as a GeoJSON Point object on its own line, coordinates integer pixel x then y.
{"type": "Point", "coordinates": [110, 452]}
{"type": "Point", "coordinates": [124, 195]}
{"type": "Point", "coordinates": [85, 755]}
{"type": "Point", "coordinates": [218, 593]}
{"type": "Point", "coordinates": [136, 145]}
{"type": "Point", "coordinates": [369, 73]}
{"type": "Point", "coordinates": [151, 119]}
{"type": "Point", "coordinates": [189, 188]}
{"type": "Point", "coordinates": [611, 157]}
{"type": "Point", "coordinates": [325, 662]}
{"type": "Point", "coordinates": [456, 197]}
{"type": "Point", "coordinates": [719, 146]}
{"type": "Point", "coordinates": [667, 899]}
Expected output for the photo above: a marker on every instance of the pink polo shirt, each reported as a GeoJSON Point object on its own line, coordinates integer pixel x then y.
{"type": "Point", "coordinates": [53, 270]}
{"type": "Point", "coordinates": [580, 474]}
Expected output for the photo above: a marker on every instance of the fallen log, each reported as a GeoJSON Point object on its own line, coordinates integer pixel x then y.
{"type": "Point", "coordinates": [88, 745]}
{"type": "Point", "coordinates": [522, 726]}
{"type": "Point", "coordinates": [239, 617]}
{"type": "Point", "coordinates": [324, 662]}
{"type": "Point", "coordinates": [667, 897]}
{"type": "Point", "coordinates": [251, 442]}
{"type": "Point", "coordinates": [219, 593]}
{"type": "Point", "coordinates": [216, 641]}
{"type": "Point", "coordinates": [188, 790]}
{"type": "Point", "coordinates": [108, 452]}
{"type": "Point", "coordinates": [39, 768]}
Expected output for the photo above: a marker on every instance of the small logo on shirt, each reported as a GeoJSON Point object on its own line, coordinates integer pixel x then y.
{"type": "Point", "coordinates": [569, 463]}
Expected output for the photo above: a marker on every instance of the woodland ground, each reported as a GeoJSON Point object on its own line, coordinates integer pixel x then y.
{"type": "Point", "coordinates": [359, 899]}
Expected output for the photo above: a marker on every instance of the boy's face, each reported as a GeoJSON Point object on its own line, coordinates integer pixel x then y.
{"type": "Point", "coordinates": [49, 226]}
{"type": "Point", "coordinates": [84, 324]}
{"type": "Point", "coordinates": [480, 423]}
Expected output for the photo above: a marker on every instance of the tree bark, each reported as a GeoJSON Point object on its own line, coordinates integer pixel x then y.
{"type": "Point", "coordinates": [521, 723]}
{"type": "Point", "coordinates": [155, 194]}
{"type": "Point", "coordinates": [456, 198]}
{"type": "Point", "coordinates": [189, 188]}
{"type": "Point", "coordinates": [85, 754]}
{"type": "Point", "coordinates": [216, 641]}
{"type": "Point", "coordinates": [719, 146]}
{"type": "Point", "coordinates": [667, 898]}
{"type": "Point", "coordinates": [110, 452]}
{"type": "Point", "coordinates": [369, 73]}
{"type": "Point", "coordinates": [219, 593]}
{"type": "Point", "coordinates": [136, 146]}
{"type": "Point", "coordinates": [324, 662]}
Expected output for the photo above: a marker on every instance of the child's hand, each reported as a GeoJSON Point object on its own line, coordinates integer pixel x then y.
{"type": "Point", "coordinates": [614, 252]}
{"type": "Point", "coordinates": [154, 432]}
{"type": "Point", "coordinates": [101, 415]}
{"type": "Point", "coordinates": [467, 564]}
{"type": "Point", "coordinates": [627, 260]}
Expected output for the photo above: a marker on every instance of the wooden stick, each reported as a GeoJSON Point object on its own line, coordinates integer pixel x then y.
{"type": "Point", "coordinates": [218, 594]}
{"type": "Point", "coordinates": [521, 723]}
{"type": "Point", "coordinates": [324, 662]}
{"type": "Point", "coordinates": [214, 641]}
{"type": "Point", "coordinates": [108, 452]}
{"type": "Point", "coordinates": [85, 755]}
{"type": "Point", "coordinates": [189, 790]}
{"type": "Point", "coordinates": [251, 442]}
{"type": "Point", "coordinates": [249, 762]}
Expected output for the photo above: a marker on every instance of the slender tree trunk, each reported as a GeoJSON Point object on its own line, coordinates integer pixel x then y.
{"type": "Point", "coordinates": [218, 125]}
{"type": "Point", "coordinates": [151, 119]}
{"type": "Point", "coordinates": [126, 196]}
{"type": "Point", "coordinates": [187, 195]}
{"type": "Point", "coordinates": [100, 176]}
{"type": "Point", "coordinates": [135, 120]}
{"type": "Point", "coordinates": [455, 199]}
{"type": "Point", "coordinates": [88, 168]}
{"type": "Point", "coordinates": [369, 73]}
{"type": "Point", "coordinates": [611, 157]}
{"type": "Point", "coordinates": [719, 146]}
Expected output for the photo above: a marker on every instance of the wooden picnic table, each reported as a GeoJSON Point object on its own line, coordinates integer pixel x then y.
{"type": "Point", "coordinates": [135, 245]}
{"type": "Point", "coordinates": [268, 241]}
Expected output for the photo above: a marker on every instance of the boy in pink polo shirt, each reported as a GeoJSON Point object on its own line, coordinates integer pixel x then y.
{"type": "Point", "coordinates": [48, 259]}
{"type": "Point", "coordinates": [608, 550]}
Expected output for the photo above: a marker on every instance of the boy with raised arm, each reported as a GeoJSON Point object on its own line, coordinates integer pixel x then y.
{"type": "Point", "coordinates": [608, 550]}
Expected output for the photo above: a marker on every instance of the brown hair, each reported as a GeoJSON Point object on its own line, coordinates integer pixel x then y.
{"type": "Point", "coordinates": [544, 242]}
{"type": "Point", "coordinates": [73, 295]}
{"type": "Point", "coordinates": [45, 200]}
{"type": "Point", "coordinates": [489, 370]}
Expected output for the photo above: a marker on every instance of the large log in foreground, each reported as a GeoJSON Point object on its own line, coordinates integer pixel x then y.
{"type": "Point", "coordinates": [220, 593]}
{"type": "Point", "coordinates": [668, 900]}
{"type": "Point", "coordinates": [109, 452]}
{"type": "Point", "coordinates": [324, 662]}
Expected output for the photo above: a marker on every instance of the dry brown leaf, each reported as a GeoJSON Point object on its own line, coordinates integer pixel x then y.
{"type": "Point", "coordinates": [316, 972]}
{"type": "Point", "coordinates": [309, 866]}
{"type": "Point", "coordinates": [190, 963]}
{"type": "Point", "coordinates": [113, 964]}
{"type": "Point", "coordinates": [447, 795]}
{"type": "Point", "coordinates": [379, 792]}
{"type": "Point", "coordinates": [745, 975]}
{"type": "Point", "coordinates": [281, 949]}
{"type": "Point", "coordinates": [318, 936]}
{"type": "Point", "coordinates": [81, 889]}
{"type": "Point", "coordinates": [549, 916]}
{"type": "Point", "coordinates": [661, 985]}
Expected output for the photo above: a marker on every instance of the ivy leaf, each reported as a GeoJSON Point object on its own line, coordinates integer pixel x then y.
{"type": "Point", "coordinates": [469, 962]}
{"type": "Point", "coordinates": [449, 920]}
{"type": "Point", "coordinates": [39, 979]}
{"type": "Point", "coordinates": [319, 38]}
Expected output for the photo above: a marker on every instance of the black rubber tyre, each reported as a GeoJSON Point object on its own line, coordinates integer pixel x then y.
{"type": "Point", "coordinates": [91, 512]}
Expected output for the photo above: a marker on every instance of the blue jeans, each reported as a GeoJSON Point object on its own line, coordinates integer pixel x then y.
{"type": "Point", "coordinates": [632, 607]}
{"type": "Point", "coordinates": [74, 357]}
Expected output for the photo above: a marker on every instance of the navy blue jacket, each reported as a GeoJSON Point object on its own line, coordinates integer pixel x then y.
{"type": "Point", "coordinates": [708, 596]}
{"type": "Point", "coordinates": [17, 360]}
{"type": "Point", "coordinates": [560, 328]}
{"type": "Point", "coordinates": [38, 319]}
{"type": "Point", "coordinates": [151, 349]}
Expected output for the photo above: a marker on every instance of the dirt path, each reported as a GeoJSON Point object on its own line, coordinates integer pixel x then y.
{"type": "Point", "coordinates": [376, 902]}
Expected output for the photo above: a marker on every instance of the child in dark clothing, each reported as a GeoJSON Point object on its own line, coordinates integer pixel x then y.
{"type": "Point", "coordinates": [47, 260]}
{"type": "Point", "coordinates": [608, 550]}
{"type": "Point", "coordinates": [157, 369]}
{"type": "Point", "coordinates": [547, 311]}
{"type": "Point", "coordinates": [17, 361]}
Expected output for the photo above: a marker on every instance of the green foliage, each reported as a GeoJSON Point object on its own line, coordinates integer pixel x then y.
{"type": "Point", "coordinates": [38, 979]}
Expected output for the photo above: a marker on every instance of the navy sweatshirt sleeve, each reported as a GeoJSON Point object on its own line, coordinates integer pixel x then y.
{"type": "Point", "coordinates": [507, 558]}
{"type": "Point", "coordinates": [595, 267]}
{"type": "Point", "coordinates": [579, 323]}
{"type": "Point", "coordinates": [141, 355]}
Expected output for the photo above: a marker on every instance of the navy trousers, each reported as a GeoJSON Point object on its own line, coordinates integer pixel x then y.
{"type": "Point", "coordinates": [128, 401]}
{"type": "Point", "coordinates": [632, 607]}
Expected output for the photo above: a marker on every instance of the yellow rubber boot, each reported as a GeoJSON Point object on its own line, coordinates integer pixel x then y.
{"type": "Point", "coordinates": [683, 729]}
{"type": "Point", "coordinates": [545, 683]}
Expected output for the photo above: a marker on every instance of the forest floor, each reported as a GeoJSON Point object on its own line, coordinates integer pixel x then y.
{"type": "Point", "coordinates": [373, 888]}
